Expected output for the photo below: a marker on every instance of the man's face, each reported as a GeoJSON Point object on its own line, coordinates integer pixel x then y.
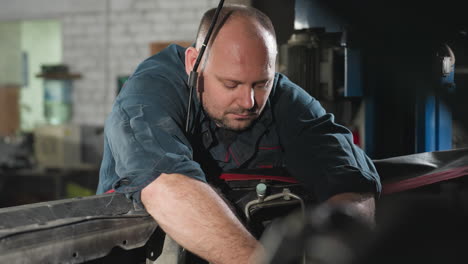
{"type": "Point", "coordinates": [237, 78]}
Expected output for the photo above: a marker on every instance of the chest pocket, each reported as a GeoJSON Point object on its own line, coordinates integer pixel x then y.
{"type": "Point", "coordinates": [269, 152]}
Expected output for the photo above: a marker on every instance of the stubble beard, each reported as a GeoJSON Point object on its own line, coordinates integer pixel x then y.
{"type": "Point", "coordinates": [230, 124]}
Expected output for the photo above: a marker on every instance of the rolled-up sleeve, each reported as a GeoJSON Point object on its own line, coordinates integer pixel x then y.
{"type": "Point", "coordinates": [145, 140]}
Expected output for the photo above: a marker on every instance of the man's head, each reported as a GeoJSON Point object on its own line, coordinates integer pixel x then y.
{"type": "Point", "coordinates": [237, 69]}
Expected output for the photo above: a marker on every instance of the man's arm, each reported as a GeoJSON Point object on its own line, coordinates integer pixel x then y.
{"type": "Point", "coordinates": [362, 203]}
{"type": "Point", "coordinates": [193, 214]}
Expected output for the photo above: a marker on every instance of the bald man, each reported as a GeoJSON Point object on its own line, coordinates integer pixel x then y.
{"type": "Point", "coordinates": [245, 116]}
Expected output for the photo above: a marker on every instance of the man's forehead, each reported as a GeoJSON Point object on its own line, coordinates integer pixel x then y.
{"type": "Point", "coordinates": [243, 52]}
{"type": "Point", "coordinates": [239, 26]}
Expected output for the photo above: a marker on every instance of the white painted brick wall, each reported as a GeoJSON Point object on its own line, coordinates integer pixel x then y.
{"type": "Point", "coordinates": [84, 50]}
{"type": "Point", "coordinates": [101, 46]}
{"type": "Point", "coordinates": [107, 38]}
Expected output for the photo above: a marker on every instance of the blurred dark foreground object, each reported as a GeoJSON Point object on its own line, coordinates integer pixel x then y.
{"type": "Point", "coordinates": [324, 234]}
{"type": "Point", "coordinates": [411, 228]}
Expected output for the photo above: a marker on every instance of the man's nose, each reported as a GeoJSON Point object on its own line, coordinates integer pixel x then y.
{"type": "Point", "coordinates": [246, 97]}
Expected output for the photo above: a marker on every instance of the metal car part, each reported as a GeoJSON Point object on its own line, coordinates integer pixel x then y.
{"type": "Point", "coordinates": [72, 230]}
{"type": "Point", "coordinates": [286, 195]}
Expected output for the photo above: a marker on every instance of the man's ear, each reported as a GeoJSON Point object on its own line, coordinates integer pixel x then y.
{"type": "Point", "coordinates": [191, 55]}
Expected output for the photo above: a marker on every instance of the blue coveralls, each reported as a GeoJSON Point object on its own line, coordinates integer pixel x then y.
{"type": "Point", "coordinates": [144, 137]}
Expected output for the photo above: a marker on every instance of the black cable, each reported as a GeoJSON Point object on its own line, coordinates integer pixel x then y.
{"type": "Point", "coordinates": [193, 78]}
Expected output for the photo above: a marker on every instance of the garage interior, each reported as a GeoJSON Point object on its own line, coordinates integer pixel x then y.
{"type": "Point", "coordinates": [394, 72]}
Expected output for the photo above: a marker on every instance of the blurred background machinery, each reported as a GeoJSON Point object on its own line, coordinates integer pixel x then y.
{"type": "Point", "coordinates": [386, 70]}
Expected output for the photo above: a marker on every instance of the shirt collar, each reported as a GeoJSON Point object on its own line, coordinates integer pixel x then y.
{"type": "Point", "coordinates": [245, 145]}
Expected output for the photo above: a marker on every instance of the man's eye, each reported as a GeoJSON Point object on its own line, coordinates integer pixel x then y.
{"type": "Point", "coordinates": [230, 85]}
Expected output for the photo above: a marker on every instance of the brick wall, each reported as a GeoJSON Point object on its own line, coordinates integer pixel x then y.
{"type": "Point", "coordinates": [107, 38]}
{"type": "Point", "coordinates": [104, 45]}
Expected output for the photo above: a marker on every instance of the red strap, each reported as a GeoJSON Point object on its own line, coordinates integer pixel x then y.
{"type": "Point", "coordinates": [423, 180]}
{"type": "Point", "coordinates": [388, 188]}
{"type": "Point", "coordinates": [244, 177]}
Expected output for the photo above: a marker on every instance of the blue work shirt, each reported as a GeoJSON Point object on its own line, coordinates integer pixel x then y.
{"type": "Point", "coordinates": [144, 137]}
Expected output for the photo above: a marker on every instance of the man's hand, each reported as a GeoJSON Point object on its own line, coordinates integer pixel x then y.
{"type": "Point", "coordinates": [193, 214]}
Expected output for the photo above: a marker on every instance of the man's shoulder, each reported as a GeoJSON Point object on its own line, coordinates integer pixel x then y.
{"type": "Point", "coordinates": [160, 81]}
{"type": "Point", "coordinates": [161, 74]}
{"type": "Point", "coordinates": [288, 100]}
{"type": "Point", "coordinates": [285, 91]}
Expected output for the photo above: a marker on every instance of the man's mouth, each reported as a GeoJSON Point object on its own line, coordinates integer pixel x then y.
{"type": "Point", "coordinates": [243, 115]}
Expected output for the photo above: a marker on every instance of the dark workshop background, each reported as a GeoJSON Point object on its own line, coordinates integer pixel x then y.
{"type": "Point", "coordinates": [394, 72]}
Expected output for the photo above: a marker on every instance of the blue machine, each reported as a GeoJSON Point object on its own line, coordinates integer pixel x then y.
{"type": "Point", "coordinates": [434, 118]}
{"type": "Point", "coordinates": [390, 66]}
